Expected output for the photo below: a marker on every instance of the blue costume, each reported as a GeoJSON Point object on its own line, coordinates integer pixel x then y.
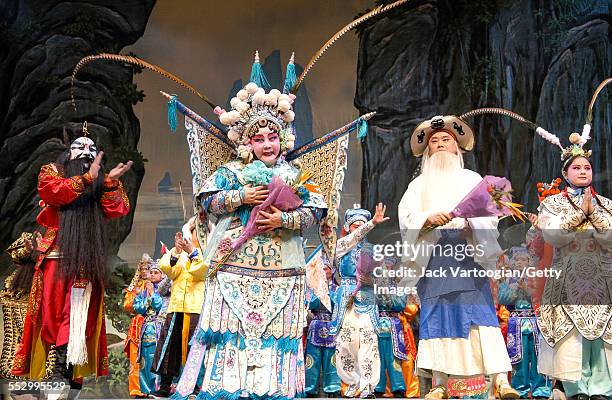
{"type": "Point", "coordinates": [355, 317]}
{"type": "Point", "coordinates": [153, 309]}
{"type": "Point", "coordinates": [523, 340]}
{"type": "Point", "coordinates": [320, 349]}
{"type": "Point", "coordinates": [391, 343]}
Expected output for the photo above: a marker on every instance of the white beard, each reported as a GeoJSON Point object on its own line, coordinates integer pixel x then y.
{"type": "Point", "coordinates": [443, 186]}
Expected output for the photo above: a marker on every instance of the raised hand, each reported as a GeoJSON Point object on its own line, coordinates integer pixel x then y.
{"type": "Point", "coordinates": [94, 168]}
{"type": "Point", "coordinates": [119, 170]}
{"type": "Point", "coordinates": [379, 215]}
{"type": "Point", "coordinates": [255, 195]}
{"type": "Point", "coordinates": [178, 242]}
{"type": "Point", "coordinates": [186, 245]}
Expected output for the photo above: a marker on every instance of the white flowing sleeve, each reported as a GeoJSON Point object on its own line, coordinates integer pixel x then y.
{"type": "Point", "coordinates": [602, 222]}
{"type": "Point", "coordinates": [411, 218]}
{"type": "Point", "coordinates": [346, 243]}
{"type": "Point", "coordinates": [411, 221]}
{"type": "Point", "coordinates": [484, 237]}
{"type": "Point", "coordinates": [559, 229]}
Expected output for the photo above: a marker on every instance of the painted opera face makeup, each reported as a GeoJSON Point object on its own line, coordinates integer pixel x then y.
{"type": "Point", "coordinates": [442, 141]}
{"type": "Point", "coordinates": [83, 148]}
{"type": "Point", "coordinates": [266, 146]}
{"type": "Point", "coordinates": [580, 173]}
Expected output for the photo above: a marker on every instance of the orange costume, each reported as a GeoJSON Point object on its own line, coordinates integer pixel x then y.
{"type": "Point", "coordinates": [132, 343]}
{"type": "Point", "coordinates": [48, 317]}
{"type": "Point", "coordinates": [410, 378]}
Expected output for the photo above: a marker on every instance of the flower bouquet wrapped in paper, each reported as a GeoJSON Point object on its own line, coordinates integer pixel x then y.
{"type": "Point", "coordinates": [281, 195]}
{"type": "Point", "coordinates": [491, 197]}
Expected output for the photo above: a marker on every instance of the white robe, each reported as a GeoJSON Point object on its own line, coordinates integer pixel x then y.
{"type": "Point", "coordinates": [484, 351]}
{"type": "Point", "coordinates": [567, 322]}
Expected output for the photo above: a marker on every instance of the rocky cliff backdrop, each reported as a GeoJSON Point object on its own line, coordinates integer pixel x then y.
{"type": "Point", "coordinates": [542, 59]}
{"type": "Point", "coordinates": [40, 43]}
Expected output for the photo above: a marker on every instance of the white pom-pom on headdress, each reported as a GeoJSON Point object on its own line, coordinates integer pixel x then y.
{"type": "Point", "coordinates": [259, 98]}
{"type": "Point", "coordinates": [284, 106]}
{"type": "Point", "coordinates": [289, 116]}
{"type": "Point", "coordinates": [234, 116]}
{"type": "Point", "coordinates": [586, 134]}
{"type": "Point", "coordinates": [548, 136]}
{"type": "Point", "coordinates": [242, 106]}
{"type": "Point", "coordinates": [233, 135]}
{"type": "Point", "coordinates": [251, 87]}
{"type": "Point", "coordinates": [242, 94]}
{"type": "Point", "coordinates": [245, 153]}
{"type": "Point", "coordinates": [275, 92]}
{"type": "Point", "coordinates": [234, 101]}
{"type": "Point", "coordinates": [271, 99]}
{"type": "Point", "coordinates": [290, 141]}
{"type": "Point", "coordinates": [225, 118]}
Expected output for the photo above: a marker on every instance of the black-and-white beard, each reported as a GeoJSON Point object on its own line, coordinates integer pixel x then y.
{"type": "Point", "coordinates": [441, 174]}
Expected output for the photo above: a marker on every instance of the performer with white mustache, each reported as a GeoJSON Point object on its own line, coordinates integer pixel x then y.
{"type": "Point", "coordinates": [459, 330]}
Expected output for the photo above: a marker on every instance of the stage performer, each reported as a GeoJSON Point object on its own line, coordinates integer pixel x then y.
{"type": "Point", "coordinates": [459, 332]}
{"type": "Point", "coordinates": [66, 307]}
{"type": "Point", "coordinates": [576, 308]}
{"type": "Point", "coordinates": [356, 323]}
{"type": "Point", "coordinates": [523, 337]}
{"type": "Point", "coordinates": [185, 267]}
{"type": "Point", "coordinates": [151, 303]}
{"type": "Point", "coordinates": [132, 340]}
{"type": "Point", "coordinates": [320, 347]}
{"type": "Point", "coordinates": [391, 342]}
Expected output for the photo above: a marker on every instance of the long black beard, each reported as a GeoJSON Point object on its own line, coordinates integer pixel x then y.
{"type": "Point", "coordinates": [82, 230]}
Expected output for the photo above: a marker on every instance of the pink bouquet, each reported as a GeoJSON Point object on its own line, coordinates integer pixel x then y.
{"type": "Point", "coordinates": [281, 196]}
{"type": "Point", "coordinates": [491, 197]}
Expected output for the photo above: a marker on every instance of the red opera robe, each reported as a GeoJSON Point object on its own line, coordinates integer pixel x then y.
{"type": "Point", "coordinates": [48, 317]}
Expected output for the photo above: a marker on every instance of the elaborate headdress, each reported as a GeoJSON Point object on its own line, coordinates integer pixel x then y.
{"type": "Point", "coordinates": [458, 128]}
{"type": "Point", "coordinates": [253, 109]}
{"type": "Point", "coordinates": [355, 214]}
{"type": "Point", "coordinates": [575, 149]}
{"type": "Point", "coordinates": [461, 130]}
{"type": "Point", "coordinates": [143, 266]}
